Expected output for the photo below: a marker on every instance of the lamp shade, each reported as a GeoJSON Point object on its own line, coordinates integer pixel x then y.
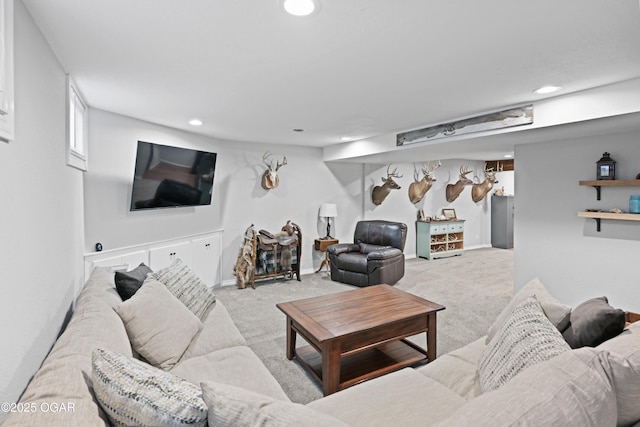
{"type": "Point", "coordinates": [328, 210]}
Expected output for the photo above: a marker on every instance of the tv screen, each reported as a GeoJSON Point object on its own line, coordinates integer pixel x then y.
{"type": "Point", "coordinates": [168, 176]}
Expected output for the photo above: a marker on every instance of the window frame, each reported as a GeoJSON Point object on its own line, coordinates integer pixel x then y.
{"type": "Point", "coordinates": [77, 113]}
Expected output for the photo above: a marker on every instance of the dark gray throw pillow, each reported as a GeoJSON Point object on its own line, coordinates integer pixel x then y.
{"type": "Point", "coordinates": [128, 282]}
{"type": "Point", "coordinates": [593, 322]}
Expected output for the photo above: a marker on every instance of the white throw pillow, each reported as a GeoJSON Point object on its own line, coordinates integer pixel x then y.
{"type": "Point", "coordinates": [159, 326]}
{"type": "Point", "coordinates": [186, 286]}
{"type": "Point", "coordinates": [134, 393]}
{"type": "Point", "coordinates": [555, 311]}
{"type": "Point", "coordinates": [526, 337]}
{"type": "Point", "coordinates": [231, 406]}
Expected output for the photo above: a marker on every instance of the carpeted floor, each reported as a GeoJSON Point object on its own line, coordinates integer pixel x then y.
{"type": "Point", "coordinates": [474, 288]}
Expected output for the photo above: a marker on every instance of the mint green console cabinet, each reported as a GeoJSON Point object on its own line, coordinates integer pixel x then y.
{"type": "Point", "coordinates": [439, 239]}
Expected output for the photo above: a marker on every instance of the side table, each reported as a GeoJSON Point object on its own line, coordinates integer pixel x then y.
{"type": "Point", "coordinates": [322, 245]}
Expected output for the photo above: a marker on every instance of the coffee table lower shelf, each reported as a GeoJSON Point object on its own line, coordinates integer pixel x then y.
{"type": "Point", "coordinates": [366, 364]}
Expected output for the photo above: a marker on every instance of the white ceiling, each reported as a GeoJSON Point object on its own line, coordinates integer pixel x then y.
{"type": "Point", "coordinates": [355, 68]}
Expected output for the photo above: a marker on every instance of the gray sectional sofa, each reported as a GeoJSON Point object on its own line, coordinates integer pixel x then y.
{"type": "Point", "coordinates": [219, 380]}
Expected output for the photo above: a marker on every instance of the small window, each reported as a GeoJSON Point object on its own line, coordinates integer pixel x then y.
{"type": "Point", "coordinates": [76, 129]}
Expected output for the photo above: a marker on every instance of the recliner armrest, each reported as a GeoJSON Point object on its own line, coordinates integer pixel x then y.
{"type": "Point", "coordinates": [384, 253]}
{"type": "Point", "coordinates": [341, 248]}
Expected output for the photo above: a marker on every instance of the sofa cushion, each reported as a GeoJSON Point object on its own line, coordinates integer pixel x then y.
{"type": "Point", "coordinates": [231, 406]}
{"type": "Point", "coordinates": [458, 370]}
{"type": "Point", "coordinates": [237, 366]}
{"type": "Point", "coordinates": [627, 344]}
{"type": "Point", "coordinates": [186, 286]}
{"type": "Point", "coordinates": [573, 389]}
{"type": "Point", "coordinates": [526, 338]}
{"type": "Point", "coordinates": [128, 282]}
{"type": "Point", "coordinates": [593, 322]}
{"type": "Point", "coordinates": [132, 392]}
{"type": "Point", "coordinates": [402, 398]}
{"type": "Point", "coordinates": [218, 332]}
{"type": "Point", "coordinates": [626, 381]}
{"type": "Point", "coordinates": [159, 326]}
{"type": "Point", "coordinates": [557, 313]}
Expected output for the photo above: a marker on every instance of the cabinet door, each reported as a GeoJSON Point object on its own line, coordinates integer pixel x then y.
{"type": "Point", "coordinates": [206, 259]}
{"type": "Point", "coordinates": [162, 256]}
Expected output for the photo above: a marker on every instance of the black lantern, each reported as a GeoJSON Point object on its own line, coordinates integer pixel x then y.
{"type": "Point", "coordinates": [606, 167]}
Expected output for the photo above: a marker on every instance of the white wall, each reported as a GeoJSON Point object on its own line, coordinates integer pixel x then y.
{"type": "Point", "coordinates": [41, 236]}
{"type": "Point", "coordinates": [573, 260]}
{"type": "Point", "coordinates": [239, 200]}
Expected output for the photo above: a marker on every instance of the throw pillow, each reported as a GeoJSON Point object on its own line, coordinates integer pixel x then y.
{"type": "Point", "coordinates": [128, 282]}
{"type": "Point", "coordinates": [557, 313]}
{"type": "Point", "coordinates": [573, 389]}
{"type": "Point", "coordinates": [231, 406]}
{"type": "Point", "coordinates": [593, 322]}
{"type": "Point", "coordinates": [527, 337]}
{"type": "Point", "coordinates": [134, 393]}
{"type": "Point", "coordinates": [186, 286]}
{"type": "Point", "coordinates": [159, 326]}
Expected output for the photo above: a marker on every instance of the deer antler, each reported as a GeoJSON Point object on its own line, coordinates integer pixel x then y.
{"type": "Point", "coordinates": [433, 168]}
{"type": "Point", "coordinates": [393, 174]}
{"type": "Point", "coordinates": [284, 162]}
{"type": "Point", "coordinates": [265, 156]}
{"type": "Point", "coordinates": [464, 170]}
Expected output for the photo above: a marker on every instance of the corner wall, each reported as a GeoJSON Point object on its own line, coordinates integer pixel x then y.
{"type": "Point", "coordinates": [573, 260]}
{"type": "Point", "coordinates": [41, 236]}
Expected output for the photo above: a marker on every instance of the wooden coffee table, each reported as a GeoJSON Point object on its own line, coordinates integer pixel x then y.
{"type": "Point", "coordinates": [359, 334]}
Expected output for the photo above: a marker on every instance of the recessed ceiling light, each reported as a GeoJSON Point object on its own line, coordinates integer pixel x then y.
{"type": "Point", "coordinates": [508, 156]}
{"type": "Point", "coordinates": [299, 7]}
{"type": "Point", "coordinates": [195, 122]}
{"type": "Point", "coordinates": [345, 138]}
{"type": "Point", "coordinates": [547, 89]}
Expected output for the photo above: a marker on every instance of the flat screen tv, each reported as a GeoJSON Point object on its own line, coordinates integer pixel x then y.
{"type": "Point", "coordinates": [168, 176]}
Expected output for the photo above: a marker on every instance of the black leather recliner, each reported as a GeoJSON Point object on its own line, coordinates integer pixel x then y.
{"type": "Point", "coordinates": [375, 257]}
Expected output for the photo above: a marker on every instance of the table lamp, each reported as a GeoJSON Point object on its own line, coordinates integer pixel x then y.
{"type": "Point", "coordinates": [328, 211]}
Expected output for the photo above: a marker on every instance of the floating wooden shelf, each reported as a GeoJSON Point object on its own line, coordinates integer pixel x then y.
{"type": "Point", "coordinates": [609, 215]}
{"type": "Point", "coordinates": [599, 183]}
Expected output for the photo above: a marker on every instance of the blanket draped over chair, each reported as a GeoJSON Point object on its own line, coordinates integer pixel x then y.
{"type": "Point", "coordinates": [269, 254]}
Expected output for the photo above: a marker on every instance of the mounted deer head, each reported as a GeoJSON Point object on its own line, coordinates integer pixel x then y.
{"type": "Point", "coordinates": [479, 191]}
{"type": "Point", "coordinates": [380, 192]}
{"type": "Point", "coordinates": [270, 178]}
{"type": "Point", "coordinates": [452, 191]}
{"type": "Point", "coordinates": [419, 188]}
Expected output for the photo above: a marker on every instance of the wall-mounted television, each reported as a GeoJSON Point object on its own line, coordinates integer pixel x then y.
{"type": "Point", "coordinates": [168, 176]}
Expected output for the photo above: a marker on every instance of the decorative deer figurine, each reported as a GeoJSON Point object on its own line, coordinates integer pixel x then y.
{"type": "Point", "coordinates": [270, 178]}
{"type": "Point", "coordinates": [479, 191]}
{"type": "Point", "coordinates": [419, 188]}
{"type": "Point", "coordinates": [452, 191]}
{"type": "Point", "coordinates": [380, 192]}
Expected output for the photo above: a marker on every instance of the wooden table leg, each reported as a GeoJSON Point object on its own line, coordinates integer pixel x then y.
{"type": "Point", "coordinates": [431, 337]}
{"type": "Point", "coordinates": [324, 262]}
{"type": "Point", "coordinates": [291, 339]}
{"type": "Point", "coordinates": [330, 368]}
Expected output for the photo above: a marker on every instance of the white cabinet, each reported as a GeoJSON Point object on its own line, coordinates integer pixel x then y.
{"type": "Point", "coordinates": [206, 257]}
{"type": "Point", "coordinates": [126, 261]}
{"type": "Point", "coordinates": [201, 252]}
{"type": "Point", "coordinates": [163, 255]}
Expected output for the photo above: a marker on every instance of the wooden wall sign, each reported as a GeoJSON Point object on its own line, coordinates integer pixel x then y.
{"type": "Point", "coordinates": [503, 119]}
